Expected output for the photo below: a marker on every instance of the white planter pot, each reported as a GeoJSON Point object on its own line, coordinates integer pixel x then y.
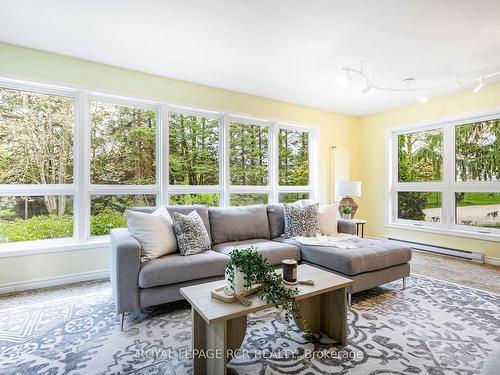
{"type": "Point", "coordinates": [239, 282]}
{"type": "Point", "coordinates": [346, 216]}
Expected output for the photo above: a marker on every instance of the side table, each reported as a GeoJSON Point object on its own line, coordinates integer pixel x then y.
{"type": "Point", "coordinates": [360, 223]}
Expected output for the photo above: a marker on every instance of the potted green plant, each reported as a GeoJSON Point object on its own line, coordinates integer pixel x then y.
{"type": "Point", "coordinates": [247, 267]}
{"type": "Point", "coordinates": [346, 213]}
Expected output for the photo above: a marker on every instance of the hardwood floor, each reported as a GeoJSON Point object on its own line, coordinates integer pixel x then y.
{"type": "Point", "coordinates": [458, 271]}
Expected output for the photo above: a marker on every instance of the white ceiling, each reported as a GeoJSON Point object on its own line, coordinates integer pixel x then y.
{"type": "Point", "coordinates": [287, 50]}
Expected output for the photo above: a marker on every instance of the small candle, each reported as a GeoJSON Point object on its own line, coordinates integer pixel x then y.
{"type": "Point", "coordinates": [290, 270]}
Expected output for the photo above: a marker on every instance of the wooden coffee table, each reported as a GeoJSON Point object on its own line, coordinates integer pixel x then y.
{"type": "Point", "coordinates": [219, 328]}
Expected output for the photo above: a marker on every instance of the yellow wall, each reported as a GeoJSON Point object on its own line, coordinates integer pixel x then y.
{"type": "Point", "coordinates": [372, 161]}
{"type": "Point", "coordinates": [333, 129]}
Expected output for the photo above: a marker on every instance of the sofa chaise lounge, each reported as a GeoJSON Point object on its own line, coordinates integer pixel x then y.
{"type": "Point", "coordinates": [136, 285]}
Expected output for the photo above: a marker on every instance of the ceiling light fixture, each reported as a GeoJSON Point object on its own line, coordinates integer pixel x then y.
{"type": "Point", "coordinates": [479, 86]}
{"type": "Point", "coordinates": [408, 83]}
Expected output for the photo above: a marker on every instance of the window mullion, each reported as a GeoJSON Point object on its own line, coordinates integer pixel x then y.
{"type": "Point", "coordinates": [392, 199]}
{"type": "Point", "coordinates": [82, 169]}
{"type": "Point", "coordinates": [224, 169]}
{"type": "Point", "coordinates": [39, 189]}
{"type": "Point", "coordinates": [448, 194]}
{"type": "Point", "coordinates": [122, 189]}
{"type": "Point", "coordinates": [163, 147]}
{"type": "Point", "coordinates": [273, 162]}
{"type": "Point", "coordinates": [313, 150]}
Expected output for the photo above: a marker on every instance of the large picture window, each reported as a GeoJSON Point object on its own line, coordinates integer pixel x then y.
{"type": "Point", "coordinates": [193, 150]}
{"type": "Point", "coordinates": [36, 165]}
{"type": "Point", "coordinates": [71, 162]}
{"type": "Point", "coordinates": [445, 178]}
{"type": "Point", "coordinates": [122, 144]}
{"type": "Point", "coordinates": [249, 153]}
{"type": "Point", "coordinates": [477, 148]}
{"type": "Point", "coordinates": [293, 164]}
{"type": "Point", "coordinates": [36, 138]}
{"type": "Point", "coordinates": [293, 157]}
{"type": "Point", "coordinates": [122, 155]}
{"type": "Point", "coordinates": [420, 156]}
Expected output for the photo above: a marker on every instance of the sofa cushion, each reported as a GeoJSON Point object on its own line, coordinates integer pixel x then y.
{"type": "Point", "coordinates": [175, 268]}
{"type": "Point", "coordinates": [276, 217]}
{"type": "Point", "coordinates": [370, 255]}
{"type": "Point", "coordinates": [238, 223]}
{"type": "Point", "coordinates": [273, 251]}
{"type": "Point", "coordinates": [182, 209]}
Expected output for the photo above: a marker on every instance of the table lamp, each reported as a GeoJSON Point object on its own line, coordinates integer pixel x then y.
{"type": "Point", "coordinates": [347, 189]}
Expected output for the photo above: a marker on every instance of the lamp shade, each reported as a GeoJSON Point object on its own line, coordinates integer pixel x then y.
{"type": "Point", "coordinates": [349, 188]}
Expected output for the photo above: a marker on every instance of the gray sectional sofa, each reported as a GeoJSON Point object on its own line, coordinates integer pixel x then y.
{"type": "Point", "coordinates": [158, 281]}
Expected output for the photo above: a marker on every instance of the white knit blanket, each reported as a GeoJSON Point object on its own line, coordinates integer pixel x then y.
{"type": "Point", "coordinates": [339, 240]}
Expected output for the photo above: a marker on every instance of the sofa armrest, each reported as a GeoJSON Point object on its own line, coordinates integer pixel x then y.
{"type": "Point", "coordinates": [347, 226]}
{"type": "Point", "coordinates": [124, 269]}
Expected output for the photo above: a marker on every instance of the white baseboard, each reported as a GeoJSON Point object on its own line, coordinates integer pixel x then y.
{"type": "Point", "coordinates": [492, 260]}
{"type": "Point", "coordinates": [45, 282]}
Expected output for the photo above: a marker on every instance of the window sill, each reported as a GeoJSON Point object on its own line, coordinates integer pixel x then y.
{"type": "Point", "coordinates": [446, 231]}
{"type": "Point", "coordinates": [50, 246]}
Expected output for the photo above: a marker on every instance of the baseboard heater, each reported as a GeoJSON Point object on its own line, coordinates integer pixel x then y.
{"type": "Point", "coordinates": [465, 254]}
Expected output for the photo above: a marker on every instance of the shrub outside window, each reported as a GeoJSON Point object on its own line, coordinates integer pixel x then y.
{"type": "Point", "coordinates": [106, 211]}
{"type": "Point", "coordinates": [248, 199]}
{"type": "Point", "coordinates": [207, 199]}
{"type": "Point", "coordinates": [29, 218]}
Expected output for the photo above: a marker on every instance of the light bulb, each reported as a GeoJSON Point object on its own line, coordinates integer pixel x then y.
{"type": "Point", "coordinates": [423, 99]}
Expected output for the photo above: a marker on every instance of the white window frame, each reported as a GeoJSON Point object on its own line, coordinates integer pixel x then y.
{"type": "Point", "coordinates": [82, 189]}
{"type": "Point", "coordinates": [447, 186]}
{"type": "Point", "coordinates": [92, 189]}
{"type": "Point", "coordinates": [249, 189]}
{"type": "Point", "coordinates": [194, 189]}
{"type": "Point", "coordinates": [47, 189]}
{"type": "Point", "coordinates": [312, 187]}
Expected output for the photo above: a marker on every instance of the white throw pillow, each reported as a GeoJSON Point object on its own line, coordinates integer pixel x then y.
{"type": "Point", "coordinates": [328, 215]}
{"type": "Point", "coordinates": [153, 231]}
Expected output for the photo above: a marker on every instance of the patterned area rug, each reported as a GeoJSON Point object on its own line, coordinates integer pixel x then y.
{"type": "Point", "coordinates": [432, 327]}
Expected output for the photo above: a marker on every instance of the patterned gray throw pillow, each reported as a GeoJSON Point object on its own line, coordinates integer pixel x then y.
{"type": "Point", "coordinates": [192, 236]}
{"type": "Point", "coordinates": [301, 220]}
